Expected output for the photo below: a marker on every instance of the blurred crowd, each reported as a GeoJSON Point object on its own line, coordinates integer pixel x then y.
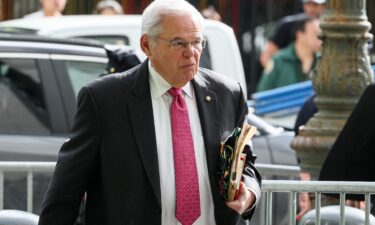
{"type": "Point", "coordinates": [290, 54]}
{"type": "Point", "coordinates": [56, 8]}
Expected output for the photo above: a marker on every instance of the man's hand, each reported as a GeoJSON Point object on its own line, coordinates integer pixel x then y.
{"type": "Point", "coordinates": [304, 204]}
{"type": "Point", "coordinates": [356, 204]}
{"type": "Point", "coordinates": [244, 200]}
{"type": "Point", "coordinates": [304, 198]}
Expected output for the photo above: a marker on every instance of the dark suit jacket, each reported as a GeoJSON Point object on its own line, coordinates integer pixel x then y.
{"type": "Point", "coordinates": [112, 151]}
{"type": "Point", "coordinates": [352, 157]}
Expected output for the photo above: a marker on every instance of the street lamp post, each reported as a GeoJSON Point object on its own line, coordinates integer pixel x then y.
{"type": "Point", "coordinates": [342, 74]}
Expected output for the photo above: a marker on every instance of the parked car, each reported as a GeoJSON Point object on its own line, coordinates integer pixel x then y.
{"type": "Point", "coordinates": [39, 80]}
{"type": "Point", "coordinates": [17, 217]}
{"type": "Point", "coordinates": [222, 53]}
{"type": "Point", "coordinates": [271, 144]}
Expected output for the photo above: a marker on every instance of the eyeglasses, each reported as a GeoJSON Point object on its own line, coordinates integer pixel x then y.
{"type": "Point", "coordinates": [179, 44]}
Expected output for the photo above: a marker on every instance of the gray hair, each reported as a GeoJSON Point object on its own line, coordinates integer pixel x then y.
{"type": "Point", "coordinates": [153, 14]}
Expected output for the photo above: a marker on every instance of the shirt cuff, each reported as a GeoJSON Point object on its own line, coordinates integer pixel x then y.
{"type": "Point", "coordinates": [253, 186]}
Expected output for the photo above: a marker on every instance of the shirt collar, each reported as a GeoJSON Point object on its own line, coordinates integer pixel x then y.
{"type": "Point", "coordinates": [159, 86]}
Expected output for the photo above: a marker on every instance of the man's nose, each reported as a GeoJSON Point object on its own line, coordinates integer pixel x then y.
{"type": "Point", "coordinates": [189, 50]}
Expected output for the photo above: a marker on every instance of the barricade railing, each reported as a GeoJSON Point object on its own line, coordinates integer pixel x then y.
{"type": "Point", "coordinates": [269, 171]}
{"type": "Point", "coordinates": [269, 187]}
{"type": "Point", "coordinates": [275, 172]}
{"type": "Point", "coordinates": [29, 168]}
{"type": "Point", "coordinates": [293, 187]}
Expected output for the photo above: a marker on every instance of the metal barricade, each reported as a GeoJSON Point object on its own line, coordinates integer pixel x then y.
{"type": "Point", "coordinates": [269, 188]}
{"type": "Point", "coordinates": [29, 168]}
{"type": "Point", "coordinates": [269, 170]}
{"type": "Point", "coordinates": [318, 187]}
{"type": "Point", "coordinates": [292, 186]}
{"type": "Point", "coordinates": [274, 172]}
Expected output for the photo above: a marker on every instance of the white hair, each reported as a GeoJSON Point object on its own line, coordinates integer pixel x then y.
{"type": "Point", "coordinates": [153, 14]}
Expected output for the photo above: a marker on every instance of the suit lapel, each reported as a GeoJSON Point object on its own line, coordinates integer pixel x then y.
{"type": "Point", "coordinates": [208, 108]}
{"type": "Point", "coordinates": [140, 109]}
{"type": "Point", "coordinates": [142, 121]}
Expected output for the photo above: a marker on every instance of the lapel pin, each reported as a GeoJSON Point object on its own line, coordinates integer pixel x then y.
{"type": "Point", "coordinates": [208, 98]}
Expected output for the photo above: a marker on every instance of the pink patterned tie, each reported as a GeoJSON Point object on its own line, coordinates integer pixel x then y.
{"type": "Point", "coordinates": [187, 188]}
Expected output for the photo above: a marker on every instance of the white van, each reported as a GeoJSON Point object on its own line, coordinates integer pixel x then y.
{"type": "Point", "coordinates": [222, 54]}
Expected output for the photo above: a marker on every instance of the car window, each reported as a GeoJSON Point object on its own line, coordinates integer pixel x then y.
{"type": "Point", "coordinates": [81, 73]}
{"type": "Point", "coordinates": [205, 60]}
{"type": "Point", "coordinates": [22, 104]}
{"type": "Point", "coordinates": [109, 39]}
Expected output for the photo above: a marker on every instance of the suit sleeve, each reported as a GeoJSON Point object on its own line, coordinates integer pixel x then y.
{"type": "Point", "coordinates": [77, 161]}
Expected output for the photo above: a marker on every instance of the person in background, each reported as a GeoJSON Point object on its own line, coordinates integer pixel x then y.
{"type": "Point", "coordinates": [352, 156]}
{"type": "Point", "coordinates": [307, 110]}
{"type": "Point", "coordinates": [284, 34]}
{"type": "Point", "coordinates": [293, 63]}
{"type": "Point", "coordinates": [108, 7]}
{"type": "Point", "coordinates": [145, 143]}
{"type": "Point", "coordinates": [49, 8]}
{"type": "Point", "coordinates": [211, 13]}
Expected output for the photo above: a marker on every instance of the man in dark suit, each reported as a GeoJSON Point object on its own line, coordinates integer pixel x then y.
{"type": "Point", "coordinates": [352, 156]}
{"type": "Point", "coordinates": [122, 146]}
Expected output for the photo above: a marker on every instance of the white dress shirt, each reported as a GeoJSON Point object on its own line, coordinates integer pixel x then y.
{"type": "Point", "coordinates": [161, 101]}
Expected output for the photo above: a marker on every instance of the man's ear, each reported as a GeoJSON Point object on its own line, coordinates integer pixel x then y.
{"type": "Point", "coordinates": [145, 45]}
{"type": "Point", "coordinates": [298, 34]}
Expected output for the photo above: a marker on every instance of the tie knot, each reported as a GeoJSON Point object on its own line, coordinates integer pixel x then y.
{"type": "Point", "coordinates": [175, 91]}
